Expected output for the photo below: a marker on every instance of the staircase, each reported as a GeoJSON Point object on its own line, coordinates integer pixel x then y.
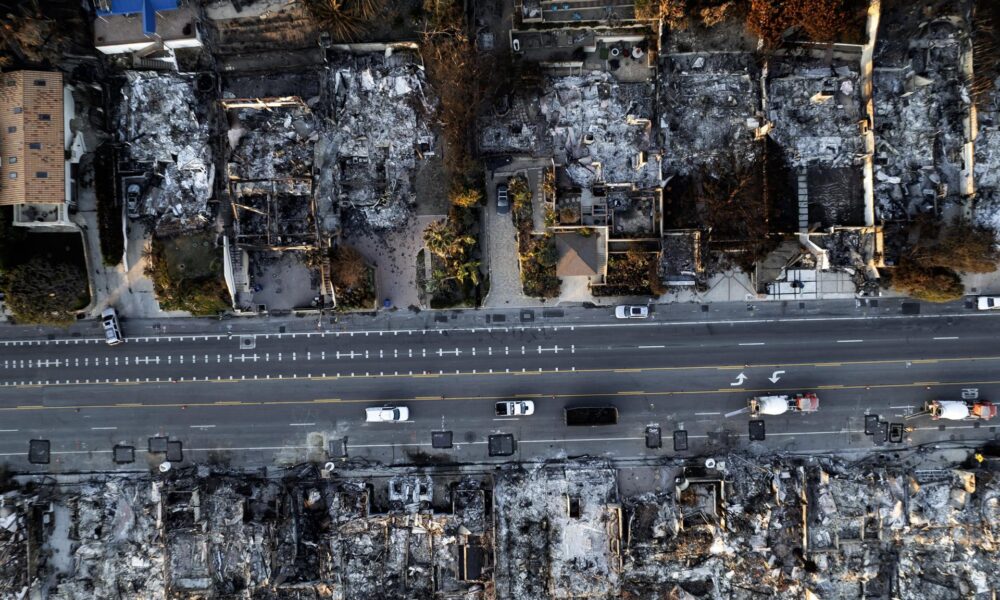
{"type": "Point", "coordinates": [803, 193]}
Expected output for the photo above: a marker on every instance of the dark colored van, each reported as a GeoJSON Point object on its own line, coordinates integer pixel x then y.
{"type": "Point", "coordinates": [591, 415]}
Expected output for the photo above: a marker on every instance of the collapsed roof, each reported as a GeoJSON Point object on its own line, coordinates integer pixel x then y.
{"type": "Point", "coordinates": [600, 129]}
{"type": "Point", "coordinates": [161, 129]}
{"type": "Point", "coordinates": [816, 111]}
{"type": "Point", "coordinates": [379, 132]}
{"type": "Point", "coordinates": [710, 111]}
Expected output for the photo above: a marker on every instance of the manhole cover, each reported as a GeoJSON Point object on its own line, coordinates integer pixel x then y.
{"type": "Point", "coordinates": [38, 452]}
{"type": "Point", "coordinates": [124, 455]}
{"type": "Point", "coordinates": [175, 452]}
{"type": "Point", "coordinates": [871, 424]}
{"type": "Point", "coordinates": [653, 438]}
{"type": "Point", "coordinates": [757, 433]}
{"type": "Point", "coordinates": [157, 445]}
{"type": "Point", "coordinates": [441, 439]}
{"type": "Point", "coordinates": [501, 444]}
{"type": "Point", "coordinates": [680, 440]}
{"type": "Point", "coordinates": [248, 342]}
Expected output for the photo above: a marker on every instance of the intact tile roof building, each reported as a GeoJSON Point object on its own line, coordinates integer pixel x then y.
{"type": "Point", "coordinates": [32, 147]}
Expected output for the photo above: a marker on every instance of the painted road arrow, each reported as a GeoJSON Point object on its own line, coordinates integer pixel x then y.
{"type": "Point", "coordinates": [776, 376]}
{"type": "Point", "coordinates": [739, 380]}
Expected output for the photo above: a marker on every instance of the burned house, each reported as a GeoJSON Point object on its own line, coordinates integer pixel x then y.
{"type": "Point", "coordinates": [164, 137]}
{"type": "Point", "coordinates": [238, 536]}
{"type": "Point", "coordinates": [735, 526]}
{"type": "Point", "coordinates": [710, 111]}
{"type": "Point", "coordinates": [275, 224]}
{"type": "Point", "coordinates": [379, 133]}
{"type": "Point", "coordinates": [562, 525]}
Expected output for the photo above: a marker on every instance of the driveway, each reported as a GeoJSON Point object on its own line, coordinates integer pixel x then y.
{"type": "Point", "coordinates": [500, 249]}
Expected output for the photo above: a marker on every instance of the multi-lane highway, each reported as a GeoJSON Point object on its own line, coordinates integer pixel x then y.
{"type": "Point", "coordinates": [252, 397]}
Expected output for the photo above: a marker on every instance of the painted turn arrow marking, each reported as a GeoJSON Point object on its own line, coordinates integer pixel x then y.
{"type": "Point", "coordinates": [776, 376]}
{"type": "Point", "coordinates": [739, 380]}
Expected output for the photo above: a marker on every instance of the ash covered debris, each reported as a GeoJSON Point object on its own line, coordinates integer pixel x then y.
{"type": "Point", "coordinates": [601, 129]}
{"type": "Point", "coordinates": [922, 101]}
{"type": "Point", "coordinates": [378, 134]}
{"type": "Point", "coordinates": [710, 111]}
{"type": "Point", "coordinates": [681, 261]}
{"type": "Point", "coordinates": [737, 526]}
{"type": "Point", "coordinates": [247, 536]}
{"type": "Point", "coordinates": [816, 111]}
{"type": "Point", "coordinates": [165, 131]}
{"type": "Point", "coordinates": [558, 533]}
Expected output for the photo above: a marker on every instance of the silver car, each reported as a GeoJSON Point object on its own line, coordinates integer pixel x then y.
{"type": "Point", "coordinates": [112, 331]}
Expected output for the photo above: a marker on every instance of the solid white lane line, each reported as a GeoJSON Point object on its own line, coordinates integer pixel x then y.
{"type": "Point", "coordinates": [952, 337]}
{"type": "Point", "coordinates": [752, 344]}
{"type": "Point", "coordinates": [202, 426]}
{"type": "Point", "coordinates": [104, 428]}
{"type": "Point", "coordinates": [650, 347]}
{"type": "Point", "coordinates": [849, 341]}
{"type": "Point", "coordinates": [705, 414]}
{"type": "Point", "coordinates": [301, 424]}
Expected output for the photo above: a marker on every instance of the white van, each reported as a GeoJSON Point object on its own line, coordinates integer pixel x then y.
{"type": "Point", "coordinates": [112, 331]}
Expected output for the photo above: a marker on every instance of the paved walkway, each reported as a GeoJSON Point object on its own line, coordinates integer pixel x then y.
{"type": "Point", "coordinates": [131, 292]}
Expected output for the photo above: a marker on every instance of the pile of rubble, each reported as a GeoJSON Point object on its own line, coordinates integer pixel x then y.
{"type": "Point", "coordinates": [601, 129]}
{"type": "Point", "coordinates": [162, 132]}
{"type": "Point", "coordinates": [738, 526]}
{"type": "Point", "coordinates": [816, 111]}
{"type": "Point", "coordinates": [379, 134]}
{"type": "Point", "coordinates": [710, 111]}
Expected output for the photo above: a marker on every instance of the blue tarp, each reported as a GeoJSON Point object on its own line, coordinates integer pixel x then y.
{"type": "Point", "coordinates": [148, 9]}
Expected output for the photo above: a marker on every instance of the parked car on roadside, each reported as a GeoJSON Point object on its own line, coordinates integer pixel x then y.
{"type": "Point", "coordinates": [503, 199]}
{"type": "Point", "coordinates": [631, 311]}
{"type": "Point", "coordinates": [112, 329]}
{"type": "Point", "coordinates": [988, 302]}
{"type": "Point", "coordinates": [386, 414]}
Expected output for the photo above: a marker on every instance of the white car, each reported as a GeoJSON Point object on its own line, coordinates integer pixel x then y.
{"type": "Point", "coordinates": [112, 330]}
{"type": "Point", "coordinates": [386, 414]}
{"type": "Point", "coordinates": [988, 302]}
{"type": "Point", "coordinates": [631, 311]}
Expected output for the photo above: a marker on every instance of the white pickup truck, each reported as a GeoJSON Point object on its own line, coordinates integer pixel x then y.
{"type": "Point", "coordinates": [515, 408]}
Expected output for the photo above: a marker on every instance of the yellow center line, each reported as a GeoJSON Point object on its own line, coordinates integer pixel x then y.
{"type": "Point", "coordinates": [555, 395]}
{"type": "Point", "coordinates": [563, 371]}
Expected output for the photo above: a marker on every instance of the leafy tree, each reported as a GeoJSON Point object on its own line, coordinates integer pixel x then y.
{"type": "Point", "coordinates": [933, 284]}
{"type": "Point", "coordinates": [348, 268]}
{"type": "Point", "coordinates": [465, 197]}
{"type": "Point", "coordinates": [445, 240]}
{"type": "Point", "coordinates": [45, 292]}
{"type": "Point", "coordinates": [963, 248]}
{"type": "Point", "coordinates": [819, 20]}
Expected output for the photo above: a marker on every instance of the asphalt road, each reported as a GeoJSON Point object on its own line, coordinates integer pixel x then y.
{"type": "Point", "coordinates": [257, 398]}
